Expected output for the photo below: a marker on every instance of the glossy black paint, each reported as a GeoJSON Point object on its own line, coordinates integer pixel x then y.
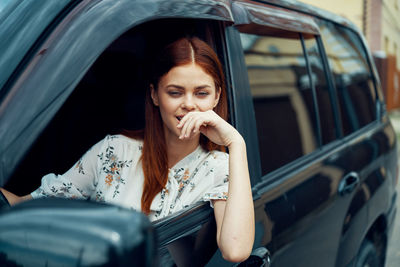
{"type": "Point", "coordinates": [23, 22]}
{"type": "Point", "coordinates": [300, 215]}
{"type": "Point", "coordinates": [59, 232]}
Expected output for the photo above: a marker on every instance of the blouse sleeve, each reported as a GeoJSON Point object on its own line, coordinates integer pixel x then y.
{"type": "Point", "coordinates": [219, 190]}
{"type": "Point", "coordinates": [78, 182]}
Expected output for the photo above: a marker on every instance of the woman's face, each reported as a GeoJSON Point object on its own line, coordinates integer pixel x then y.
{"type": "Point", "coordinates": [183, 89]}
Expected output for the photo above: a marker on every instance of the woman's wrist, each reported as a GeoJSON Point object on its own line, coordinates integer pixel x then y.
{"type": "Point", "coordinates": [237, 142]}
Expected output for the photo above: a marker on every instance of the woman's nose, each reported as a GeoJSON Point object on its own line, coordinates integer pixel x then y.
{"type": "Point", "coordinates": [188, 103]}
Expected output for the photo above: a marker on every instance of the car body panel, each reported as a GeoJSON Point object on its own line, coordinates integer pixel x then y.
{"type": "Point", "coordinates": [329, 210]}
{"type": "Point", "coordinates": [22, 22]}
{"type": "Point", "coordinates": [370, 160]}
{"type": "Point", "coordinates": [301, 217]}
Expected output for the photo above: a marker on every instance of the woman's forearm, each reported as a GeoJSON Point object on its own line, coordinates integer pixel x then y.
{"type": "Point", "coordinates": [236, 233]}
{"type": "Point", "coordinates": [14, 199]}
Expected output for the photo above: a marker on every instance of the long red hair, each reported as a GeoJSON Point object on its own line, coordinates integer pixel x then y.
{"type": "Point", "coordinates": [154, 153]}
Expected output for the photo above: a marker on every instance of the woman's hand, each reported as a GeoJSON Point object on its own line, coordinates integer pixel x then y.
{"type": "Point", "coordinates": [211, 125]}
{"type": "Point", "coordinates": [14, 199]}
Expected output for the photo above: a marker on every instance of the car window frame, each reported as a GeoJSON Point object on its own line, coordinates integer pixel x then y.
{"type": "Point", "coordinates": [380, 107]}
{"type": "Point", "coordinates": [332, 90]}
{"type": "Point", "coordinates": [271, 178]}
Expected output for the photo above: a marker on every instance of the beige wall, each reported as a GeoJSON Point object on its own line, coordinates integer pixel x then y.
{"type": "Point", "coordinates": [387, 37]}
{"type": "Point", "coordinates": [390, 41]}
{"type": "Point", "coordinates": [350, 9]}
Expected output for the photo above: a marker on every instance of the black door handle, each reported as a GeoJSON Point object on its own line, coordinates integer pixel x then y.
{"type": "Point", "coordinates": [348, 183]}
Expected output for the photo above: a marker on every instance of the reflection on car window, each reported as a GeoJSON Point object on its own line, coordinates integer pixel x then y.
{"type": "Point", "coordinates": [191, 249]}
{"type": "Point", "coordinates": [282, 99]}
{"type": "Point", "coordinates": [323, 92]}
{"type": "Point", "coordinates": [4, 4]}
{"type": "Point", "coordinates": [348, 62]}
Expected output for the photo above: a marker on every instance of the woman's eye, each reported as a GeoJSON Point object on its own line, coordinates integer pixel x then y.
{"type": "Point", "coordinates": [202, 93]}
{"type": "Point", "coordinates": [174, 93]}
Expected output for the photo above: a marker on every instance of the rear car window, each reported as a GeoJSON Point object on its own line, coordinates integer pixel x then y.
{"type": "Point", "coordinates": [282, 97]}
{"type": "Point", "coordinates": [352, 76]}
{"type": "Point", "coordinates": [324, 93]}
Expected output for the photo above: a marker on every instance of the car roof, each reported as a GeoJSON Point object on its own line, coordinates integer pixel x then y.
{"type": "Point", "coordinates": [21, 25]}
{"type": "Point", "coordinates": [23, 22]}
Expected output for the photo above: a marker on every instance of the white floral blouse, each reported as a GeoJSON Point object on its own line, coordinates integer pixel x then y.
{"type": "Point", "coordinates": [111, 172]}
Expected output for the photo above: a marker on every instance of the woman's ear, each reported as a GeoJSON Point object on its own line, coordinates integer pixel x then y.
{"type": "Point", "coordinates": [217, 95]}
{"type": "Point", "coordinates": [154, 95]}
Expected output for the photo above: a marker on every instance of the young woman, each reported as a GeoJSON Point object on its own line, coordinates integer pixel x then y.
{"type": "Point", "coordinates": [178, 158]}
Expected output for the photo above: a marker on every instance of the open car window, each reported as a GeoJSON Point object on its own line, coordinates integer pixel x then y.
{"type": "Point", "coordinates": [107, 100]}
{"type": "Point", "coordinates": [66, 50]}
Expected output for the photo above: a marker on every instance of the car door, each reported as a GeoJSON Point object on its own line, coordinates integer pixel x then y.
{"type": "Point", "coordinates": [369, 136]}
{"type": "Point", "coordinates": [76, 70]}
{"type": "Point", "coordinates": [300, 210]}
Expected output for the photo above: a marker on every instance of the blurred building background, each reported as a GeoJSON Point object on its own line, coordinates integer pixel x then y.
{"type": "Point", "coordinates": [379, 21]}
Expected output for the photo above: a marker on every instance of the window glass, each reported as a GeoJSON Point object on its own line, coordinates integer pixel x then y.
{"type": "Point", "coordinates": [323, 92]}
{"type": "Point", "coordinates": [282, 99]}
{"type": "Point", "coordinates": [352, 75]}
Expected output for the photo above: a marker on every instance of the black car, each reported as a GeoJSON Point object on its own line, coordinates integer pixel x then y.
{"type": "Point", "coordinates": [302, 89]}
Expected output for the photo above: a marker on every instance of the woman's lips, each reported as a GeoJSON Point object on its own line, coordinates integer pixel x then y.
{"type": "Point", "coordinates": [179, 118]}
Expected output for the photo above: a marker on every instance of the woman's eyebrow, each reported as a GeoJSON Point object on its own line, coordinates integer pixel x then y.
{"type": "Point", "coordinates": [176, 86]}
{"type": "Point", "coordinates": [203, 87]}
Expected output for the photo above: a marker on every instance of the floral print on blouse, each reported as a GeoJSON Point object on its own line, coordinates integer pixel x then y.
{"type": "Point", "coordinates": [111, 172]}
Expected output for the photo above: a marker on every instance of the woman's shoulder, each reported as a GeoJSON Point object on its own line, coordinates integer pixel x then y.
{"type": "Point", "coordinates": [119, 141]}
{"type": "Point", "coordinates": [218, 156]}
{"type": "Point", "coordinates": [120, 138]}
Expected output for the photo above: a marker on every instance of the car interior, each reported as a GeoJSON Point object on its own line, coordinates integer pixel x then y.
{"type": "Point", "coordinates": [108, 100]}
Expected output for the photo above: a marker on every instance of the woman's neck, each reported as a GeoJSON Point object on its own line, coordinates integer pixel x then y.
{"type": "Point", "coordinates": [178, 149]}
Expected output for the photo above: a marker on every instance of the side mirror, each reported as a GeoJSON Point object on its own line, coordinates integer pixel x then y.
{"type": "Point", "coordinates": [3, 201]}
{"type": "Point", "coordinates": [60, 232]}
{"type": "Point", "coordinates": [260, 257]}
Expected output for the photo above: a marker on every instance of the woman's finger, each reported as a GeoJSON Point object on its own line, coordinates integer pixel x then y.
{"type": "Point", "coordinates": [183, 120]}
{"type": "Point", "coordinates": [191, 124]}
{"type": "Point", "coordinates": [187, 129]}
{"type": "Point", "coordinates": [197, 125]}
{"type": "Point", "coordinates": [184, 130]}
{"type": "Point", "coordinates": [193, 121]}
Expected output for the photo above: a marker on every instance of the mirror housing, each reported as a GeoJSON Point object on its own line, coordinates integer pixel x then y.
{"type": "Point", "coordinates": [61, 232]}
{"type": "Point", "coordinates": [260, 257]}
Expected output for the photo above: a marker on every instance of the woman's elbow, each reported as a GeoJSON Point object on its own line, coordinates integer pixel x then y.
{"type": "Point", "coordinates": [236, 254]}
